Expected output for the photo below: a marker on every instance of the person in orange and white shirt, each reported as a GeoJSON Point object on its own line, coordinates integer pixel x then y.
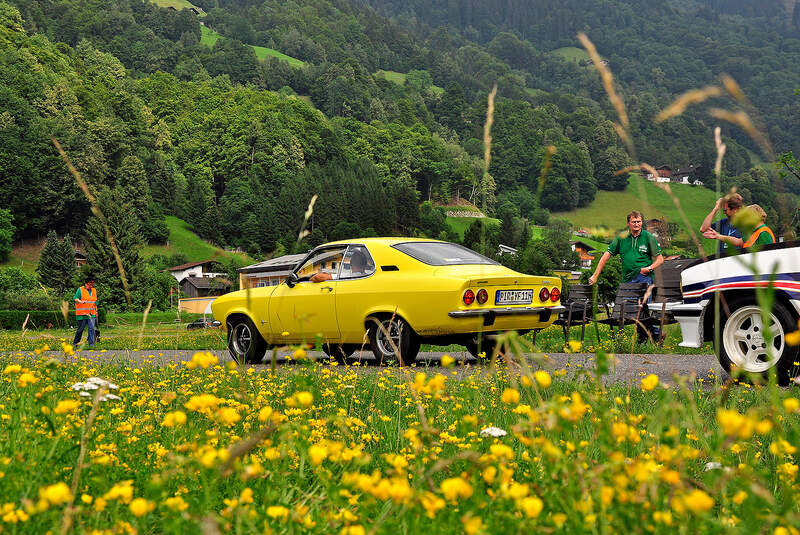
{"type": "Point", "coordinates": [86, 311]}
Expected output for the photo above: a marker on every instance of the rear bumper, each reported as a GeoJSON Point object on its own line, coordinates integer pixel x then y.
{"type": "Point", "coordinates": [489, 314]}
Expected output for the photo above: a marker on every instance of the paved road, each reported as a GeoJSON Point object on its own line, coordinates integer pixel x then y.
{"type": "Point", "coordinates": [629, 368]}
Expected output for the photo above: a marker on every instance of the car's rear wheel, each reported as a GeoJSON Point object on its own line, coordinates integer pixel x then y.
{"type": "Point", "coordinates": [339, 352]}
{"type": "Point", "coordinates": [481, 346]}
{"type": "Point", "coordinates": [744, 344]}
{"type": "Point", "coordinates": [245, 343]}
{"type": "Point", "coordinates": [393, 339]}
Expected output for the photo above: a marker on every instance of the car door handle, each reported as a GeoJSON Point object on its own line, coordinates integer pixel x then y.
{"type": "Point", "coordinates": [329, 288]}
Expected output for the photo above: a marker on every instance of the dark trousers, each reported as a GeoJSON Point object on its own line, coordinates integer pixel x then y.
{"type": "Point", "coordinates": [90, 321]}
{"type": "Point", "coordinates": [655, 329]}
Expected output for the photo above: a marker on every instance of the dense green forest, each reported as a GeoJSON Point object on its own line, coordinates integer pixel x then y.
{"type": "Point", "coordinates": [162, 124]}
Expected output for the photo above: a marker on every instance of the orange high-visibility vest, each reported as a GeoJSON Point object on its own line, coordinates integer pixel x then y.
{"type": "Point", "coordinates": [89, 308]}
{"type": "Point", "coordinates": [756, 233]}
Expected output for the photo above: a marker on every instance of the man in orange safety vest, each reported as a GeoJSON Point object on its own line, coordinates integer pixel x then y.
{"type": "Point", "coordinates": [86, 311]}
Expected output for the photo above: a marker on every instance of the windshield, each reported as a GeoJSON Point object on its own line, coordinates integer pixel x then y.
{"type": "Point", "coordinates": [442, 254]}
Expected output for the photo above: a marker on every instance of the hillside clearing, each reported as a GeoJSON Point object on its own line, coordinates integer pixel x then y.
{"type": "Point", "coordinates": [460, 224]}
{"type": "Point", "coordinates": [209, 37]}
{"type": "Point", "coordinates": [183, 241]}
{"type": "Point", "coordinates": [572, 53]}
{"type": "Point", "coordinates": [400, 79]}
{"type": "Point", "coordinates": [609, 208]}
{"type": "Point", "coordinates": [178, 4]}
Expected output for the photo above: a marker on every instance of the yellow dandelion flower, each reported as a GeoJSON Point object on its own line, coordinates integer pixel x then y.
{"type": "Point", "coordinates": [650, 382]}
{"type": "Point", "coordinates": [278, 512]}
{"type": "Point", "coordinates": [174, 419]}
{"type": "Point", "coordinates": [510, 396]}
{"type": "Point", "coordinates": [543, 378]}
{"type": "Point", "coordinates": [140, 506]}
{"type": "Point", "coordinates": [447, 361]}
{"type": "Point", "coordinates": [66, 406]}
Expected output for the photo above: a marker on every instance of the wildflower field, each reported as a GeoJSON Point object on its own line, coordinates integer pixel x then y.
{"type": "Point", "coordinates": [155, 335]}
{"type": "Point", "coordinates": [209, 447]}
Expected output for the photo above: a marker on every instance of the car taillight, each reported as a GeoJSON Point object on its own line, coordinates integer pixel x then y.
{"type": "Point", "coordinates": [469, 297]}
{"type": "Point", "coordinates": [555, 295]}
{"type": "Point", "coordinates": [483, 296]}
{"type": "Point", "coordinates": [544, 294]}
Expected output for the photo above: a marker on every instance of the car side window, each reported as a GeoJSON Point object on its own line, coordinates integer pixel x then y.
{"type": "Point", "coordinates": [323, 261]}
{"type": "Point", "coordinates": [357, 263]}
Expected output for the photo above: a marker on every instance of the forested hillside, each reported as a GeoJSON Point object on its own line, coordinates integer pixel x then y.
{"type": "Point", "coordinates": [165, 122]}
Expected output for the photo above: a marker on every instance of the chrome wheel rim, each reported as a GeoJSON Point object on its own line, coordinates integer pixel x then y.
{"type": "Point", "coordinates": [387, 344]}
{"type": "Point", "coordinates": [745, 341]}
{"type": "Point", "coordinates": [241, 339]}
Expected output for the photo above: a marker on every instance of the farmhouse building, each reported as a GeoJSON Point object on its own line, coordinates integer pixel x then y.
{"type": "Point", "coordinates": [194, 269]}
{"type": "Point", "coordinates": [583, 249]}
{"type": "Point", "coordinates": [659, 229]}
{"type": "Point", "coordinates": [270, 272]}
{"type": "Point", "coordinates": [204, 286]}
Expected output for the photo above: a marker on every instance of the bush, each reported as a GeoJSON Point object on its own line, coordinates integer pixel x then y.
{"type": "Point", "coordinates": [13, 279]}
{"type": "Point", "coordinates": [40, 319]}
{"type": "Point", "coordinates": [30, 301]}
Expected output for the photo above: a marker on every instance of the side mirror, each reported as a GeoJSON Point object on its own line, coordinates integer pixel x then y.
{"type": "Point", "coordinates": [292, 280]}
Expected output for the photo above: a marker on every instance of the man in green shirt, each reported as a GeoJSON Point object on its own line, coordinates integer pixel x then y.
{"type": "Point", "coordinates": [640, 256]}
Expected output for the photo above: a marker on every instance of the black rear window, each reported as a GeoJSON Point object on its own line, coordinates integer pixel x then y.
{"type": "Point", "coordinates": [442, 254]}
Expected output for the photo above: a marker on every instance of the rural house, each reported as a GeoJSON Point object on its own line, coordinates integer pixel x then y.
{"type": "Point", "coordinates": [685, 175]}
{"type": "Point", "coordinates": [204, 286]}
{"type": "Point", "coordinates": [660, 229]}
{"type": "Point", "coordinates": [270, 272]}
{"type": "Point", "coordinates": [583, 249]}
{"type": "Point", "coordinates": [194, 269]}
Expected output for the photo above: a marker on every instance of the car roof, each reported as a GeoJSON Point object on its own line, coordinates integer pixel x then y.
{"type": "Point", "coordinates": [382, 241]}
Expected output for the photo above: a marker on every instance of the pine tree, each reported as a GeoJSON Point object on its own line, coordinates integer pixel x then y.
{"type": "Point", "coordinates": [101, 262]}
{"type": "Point", "coordinates": [66, 262]}
{"type": "Point", "coordinates": [49, 273]}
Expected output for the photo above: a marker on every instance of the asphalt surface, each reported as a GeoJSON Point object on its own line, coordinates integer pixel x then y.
{"type": "Point", "coordinates": [628, 368]}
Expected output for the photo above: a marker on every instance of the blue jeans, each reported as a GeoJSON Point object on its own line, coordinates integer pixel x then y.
{"type": "Point", "coordinates": [90, 321]}
{"type": "Point", "coordinates": [655, 330]}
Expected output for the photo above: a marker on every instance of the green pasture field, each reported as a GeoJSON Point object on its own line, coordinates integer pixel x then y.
{"type": "Point", "coordinates": [460, 224]}
{"type": "Point", "coordinates": [182, 240]}
{"type": "Point", "coordinates": [572, 53]}
{"type": "Point", "coordinates": [209, 37]}
{"type": "Point", "coordinates": [400, 79]}
{"type": "Point", "coordinates": [609, 208]}
{"type": "Point", "coordinates": [177, 4]}
{"type": "Point", "coordinates": [320, 449]}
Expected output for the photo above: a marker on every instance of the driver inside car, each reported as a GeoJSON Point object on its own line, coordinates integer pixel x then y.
{"type": "Point", "coordinates": [358, 267]}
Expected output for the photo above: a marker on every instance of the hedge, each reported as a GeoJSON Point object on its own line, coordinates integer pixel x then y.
{"type": "Point", "coordinates": [40, 319]}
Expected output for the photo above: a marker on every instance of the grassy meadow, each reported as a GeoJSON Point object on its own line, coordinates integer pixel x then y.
{"type": "Point", "coordinates": [183, 241]}
{"type": "Point", "coordinates": [652, 201]}
{"type": "Point", "coordinates": [319, 448]}
{"type": "Point", "coordinates": [572, 53]}
{"type": "Point", "coordinates": [399, 78]}
{"type": "Point", "coordinates": [209, 37]}
{"type": "Point", "coordinates": [177, 4]}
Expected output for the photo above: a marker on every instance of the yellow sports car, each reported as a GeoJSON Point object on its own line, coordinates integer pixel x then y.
{"type": "Point", "coordinates": [390, 293]}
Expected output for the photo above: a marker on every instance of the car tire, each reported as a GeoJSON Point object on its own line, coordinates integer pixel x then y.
{"type": "Point", "coordinates": [404, 345]}
{"type": "Point", "coordinates": [339, 352]}
{"type": "Point", "coordinates": [742, 345]}
{"type": "Point", "coordinates": [245, 343]}
{"type": "Point", "coordinates": [481, 344]}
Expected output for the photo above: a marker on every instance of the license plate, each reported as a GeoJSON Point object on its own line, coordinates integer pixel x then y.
{"type": "Point", "coordinates": [513, 297]}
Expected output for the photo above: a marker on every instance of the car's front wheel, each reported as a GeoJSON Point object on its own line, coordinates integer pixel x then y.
{"type": "Point", "coordinates": [749, 345]}
{"type": "Point", "coordinates": [245, 343]}
{"type": "Point", "coordinates": [392, 338]}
